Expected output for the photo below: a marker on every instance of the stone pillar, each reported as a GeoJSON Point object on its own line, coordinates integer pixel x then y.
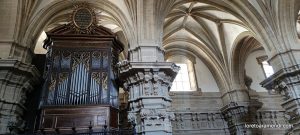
{"type": "Point", "coordinates": [238, 114]}
{"type": "Point", "coordinates": [148, 84]}
{"type": "Point", "coordinates": [286, 82]}
{"type": "Point", "coordinates": [240, 109]}
{"type": "Point", "coordinates": [16, 80]}
{"type": "Point", "coordinates": [147, 54]}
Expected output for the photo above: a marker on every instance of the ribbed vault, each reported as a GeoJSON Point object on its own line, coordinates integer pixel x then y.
{"type": "Point", "coordinates": [207, 32]}
{"type": "Point", "coordinates": [209, 29]}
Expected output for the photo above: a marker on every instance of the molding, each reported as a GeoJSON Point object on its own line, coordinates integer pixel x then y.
{"type": "Point", "coordinates": [185, 93]}
{"type": "Point", "coordinates": [270, 82]}
{"type": "Point", "coordinates": [260, 59]}
{"type": "Point", "coordinates": [284, 52]}
{"type": "Point", "coordinates": [180, 52]}
{"type": "Point", "coordinates": [15, 65]}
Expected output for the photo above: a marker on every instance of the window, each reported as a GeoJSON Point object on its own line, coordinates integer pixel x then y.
{"type": "Point", "coordinates": [267, 68]}
{"type": "Point", "coordinates": [182, 81]}
{"type": "Point", "coordinates": [185, 80]}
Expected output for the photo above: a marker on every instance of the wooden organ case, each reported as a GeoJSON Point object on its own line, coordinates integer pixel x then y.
{"type": "Point", "coordinates": [80, 89]}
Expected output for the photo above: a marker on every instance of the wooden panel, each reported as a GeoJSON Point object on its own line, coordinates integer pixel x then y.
{"type": "Point", "coordinates": [114, 117]}
{"type": "Point", "coordinates": [80, 117]}
{"type": "Point", "coordinates": [67, 121]}
{"type": "Point", "coordinates": [48, 122]}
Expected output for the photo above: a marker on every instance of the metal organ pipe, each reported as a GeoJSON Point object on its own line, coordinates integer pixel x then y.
{"type": "Point", "coordinates": [82, 78]}
{"type": "Point", "coordinates": [79, 87]}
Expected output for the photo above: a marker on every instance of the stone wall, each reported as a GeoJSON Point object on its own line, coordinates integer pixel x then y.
{"type": "Point", "coordinates": [199, 113]}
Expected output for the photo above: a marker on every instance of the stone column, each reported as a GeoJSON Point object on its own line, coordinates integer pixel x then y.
{"type": "Point", "coordinates": [238, 114]}
{"type": "Point", "coordinates": [16, 80]}
{"type": "Point", "coordinates": [148, 84]}
{"type": "Point", "coordinates": [286, 82]}
{"type": "Point", "coordinates": [240, 109]}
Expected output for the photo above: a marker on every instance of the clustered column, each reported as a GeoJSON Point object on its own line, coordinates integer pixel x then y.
{"type": "Point", "coordinates": [148, 84]}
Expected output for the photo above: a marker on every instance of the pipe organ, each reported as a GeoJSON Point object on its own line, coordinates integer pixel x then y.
{"type": "Point", "coordinates": [80, 77]}
{"type": "Point", "coordinates": [80, 89]}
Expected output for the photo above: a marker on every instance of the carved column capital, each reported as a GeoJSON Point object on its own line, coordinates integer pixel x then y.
{"type": "Point", "coordinates": [157, 76]}
{"type": "Point", "coordinates": [148, 84]}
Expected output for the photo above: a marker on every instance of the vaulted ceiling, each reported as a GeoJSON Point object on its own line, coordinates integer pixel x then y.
{"type": "Point", "coordinates": [207, 29]}
{"type": "Point", "coordinates": [209, 22]}
{"type": "Point", "coordinates": [202, 24]}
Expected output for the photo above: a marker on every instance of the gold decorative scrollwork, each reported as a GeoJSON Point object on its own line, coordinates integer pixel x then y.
{"type": "Point", "coordinates": [96, 55]}
{"type": "Point", "coordinates": [62, 77]}
{"type": "Point", "coordinates": [76, 60]}
{"type": "Point", "coordinates": [104, 81]}
{"type": "Point", "coordinates": [81, 57]}
{"type": "Point", "coordinates": [66, 54]}
{"type": "Point", "coordinates": [105, 59]}
{"type": "Point", "coordinates": [52, 83]}
{"type": "Point", "coordinates": [96, 76]}
{"type": "Point", "coordinates": [86, 59]}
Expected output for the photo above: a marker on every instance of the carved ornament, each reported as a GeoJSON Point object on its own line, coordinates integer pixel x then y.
{"type": "Point", "coordinates": [83, 18]}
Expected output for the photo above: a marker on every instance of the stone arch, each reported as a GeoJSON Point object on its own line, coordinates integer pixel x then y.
{"type": "Point", "coordinates": [45, 15]}
{"type": "Point", "coordinates": [182, 56]}
{"type": "Point", "coordinates": [243, 46]}
{"type": "Point", "coordinates": [254, 25]}
{"type": "Point", "coordinates": [288, 18]}
{"type": "Point", "coordinates": [206, 56]}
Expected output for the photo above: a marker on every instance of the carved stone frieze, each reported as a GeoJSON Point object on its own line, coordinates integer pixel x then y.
{"type": "Point", "coordinates": [200, 122]}
{"type": "Point", "coordinates": [273, 118]}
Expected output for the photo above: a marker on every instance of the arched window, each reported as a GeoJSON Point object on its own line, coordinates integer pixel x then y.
{"type": "Point", "coordinates": [182, 80]}
{"type": "Point", "coordinates": [186, 78]}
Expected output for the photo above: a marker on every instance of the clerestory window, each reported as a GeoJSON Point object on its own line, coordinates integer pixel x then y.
{"type": "Point", "coordinates": [182, 81]}
{"type": "Point", "coordinates": [267, 68]}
